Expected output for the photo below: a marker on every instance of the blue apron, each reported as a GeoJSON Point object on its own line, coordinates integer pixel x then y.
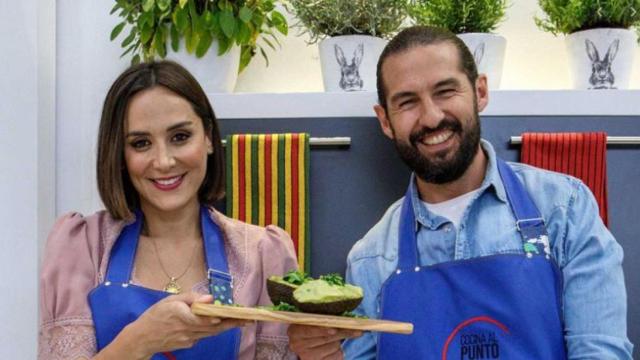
{"type": "Point", "coordinates": [505, 306]}
{"type": "Point", "coordinates": [116, 302]}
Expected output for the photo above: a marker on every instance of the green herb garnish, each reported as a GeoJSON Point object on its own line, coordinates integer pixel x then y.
{"type": "Point", "coordinates": [283, 306]}
{"type": "Point", "coordinates": [333, 279]}
{"type": "Point", "coordinates": [296, 277]}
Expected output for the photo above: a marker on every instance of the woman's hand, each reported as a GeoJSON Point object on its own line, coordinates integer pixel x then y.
{"type": "Point", "coordinates": [311, 342]}
{"type": "Point", "coordinates": [170, 325]}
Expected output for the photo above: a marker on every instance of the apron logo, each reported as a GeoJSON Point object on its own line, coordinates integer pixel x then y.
{"type": "Point", "coordinates": [476, 344]}
{"type": "Point", "coordinates": [532, 246]}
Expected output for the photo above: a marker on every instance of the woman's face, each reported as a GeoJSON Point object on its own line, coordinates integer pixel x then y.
{"type": "Point", "coordinates": [166, 150]}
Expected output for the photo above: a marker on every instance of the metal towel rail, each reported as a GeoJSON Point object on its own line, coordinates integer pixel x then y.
{"type": "Point", "coordinates": [321, 141]}
{"type": "Point", "coordinates": [611, 140]}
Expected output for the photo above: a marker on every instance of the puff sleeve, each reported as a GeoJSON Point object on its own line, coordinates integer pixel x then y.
{"type": "Point", "coordinates": [68, 273]}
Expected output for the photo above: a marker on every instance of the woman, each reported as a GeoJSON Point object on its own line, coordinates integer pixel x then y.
{"type": "Point", "coordinates": [118, 284]}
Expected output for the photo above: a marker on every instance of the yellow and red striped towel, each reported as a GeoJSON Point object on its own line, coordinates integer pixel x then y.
{"type": "Point", "coordinates": [268, 183]}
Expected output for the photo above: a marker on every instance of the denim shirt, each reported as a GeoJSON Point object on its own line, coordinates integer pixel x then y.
{"type": "Point", "coordinates": [594, 294]}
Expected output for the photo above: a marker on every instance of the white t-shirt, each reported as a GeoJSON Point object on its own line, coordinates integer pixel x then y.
{"type": "Point", "coordinates": [452, 209]}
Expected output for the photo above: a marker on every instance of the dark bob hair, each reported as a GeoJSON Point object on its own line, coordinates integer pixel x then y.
{"type": "Point", "coordinates": [115, 187]}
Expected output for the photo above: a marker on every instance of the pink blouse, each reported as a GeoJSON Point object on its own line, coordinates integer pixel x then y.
{"type": "Point", "coordinates": [75, 262]}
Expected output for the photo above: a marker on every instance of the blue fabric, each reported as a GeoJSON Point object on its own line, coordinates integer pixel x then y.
{"type": "Point", "coordinates": [115, 303]}
{"type": "Point", "coordinates": [594, 296]}
{"type": "Point", "coordinates": [494, 307]}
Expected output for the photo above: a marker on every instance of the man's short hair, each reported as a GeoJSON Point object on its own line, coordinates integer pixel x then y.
{"type": "Point", "coordinates": [423, 36]}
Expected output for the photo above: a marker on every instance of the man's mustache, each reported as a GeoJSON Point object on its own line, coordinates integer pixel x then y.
{"type": "Point", "coordinates": [446, 124]}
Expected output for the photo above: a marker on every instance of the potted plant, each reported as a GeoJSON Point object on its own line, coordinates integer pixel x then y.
{"type": "Point", "coordinates": [473, 21]}
{"type": "Point", "coordinates": [599, 39]}
{"type": "Point", "coordinates": [226, 33]}
{"type": "Point", "coordinates": [350, 35]}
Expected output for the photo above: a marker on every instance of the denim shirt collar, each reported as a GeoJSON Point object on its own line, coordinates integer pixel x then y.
{"type": "Point", "coordinates": [491, 180]}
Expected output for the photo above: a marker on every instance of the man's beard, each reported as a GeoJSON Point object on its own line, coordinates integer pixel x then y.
{"type": "Point", "coordinates": [437, 170]}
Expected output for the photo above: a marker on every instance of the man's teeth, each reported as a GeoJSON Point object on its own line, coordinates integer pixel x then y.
{"type": "Point", "coordinates": [167, 182]}
{"type": "Point", "coordinates": [435, 140]}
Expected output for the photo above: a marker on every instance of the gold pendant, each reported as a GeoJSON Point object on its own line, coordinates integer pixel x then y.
{"type": "Point", "coordinates": [172, 286]}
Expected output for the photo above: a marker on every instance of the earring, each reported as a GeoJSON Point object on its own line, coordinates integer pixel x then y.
{"type": "Point", "coordinates": [210, 151]}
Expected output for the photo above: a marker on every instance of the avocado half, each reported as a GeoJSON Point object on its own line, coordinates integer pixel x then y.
{"type": "Point", "coordinates": [280, 290]}
{"type": "Point", "coordinates": [321, 297]}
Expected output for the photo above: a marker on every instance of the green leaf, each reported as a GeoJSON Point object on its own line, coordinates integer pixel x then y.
{"type": "Point", "coordinates": [204, 44]}
{"type": "Point", "coordinates": [116, 30]}
{"type": "Point", "coordinates": [245, 57]}
{"type": "Point", "coordinates": [182, 20]}
{"type": "Point", "coordinates": [224, 44]}
{"type": "Point", "coordinates": [175, 39]}
{"type": "Point", "coordinates": [129, 49]}
{"type": "Point", "coordinates": [136, 59]}
{"type": "Point", "coordinates": [244, 34]}
{"type": "Point", "coordinates": [191, 40]}
{"type": "Point", "coordinates": [269, 43]}
{"type": "Point", "coordinates": [163, 5]}
{"type": "Point", "coordinates": [182, 3]}
{"type": "Point", "coordinates": [228, 23]}
{"type": "Point", "coordinates": [114, 9]}
{"type": "Point", "coordinates": [264, 55]}
{"type": "Point", "coordinates": [159, 43]}
{"type": "Point", "coordinates": [280, 22]}
{"type": "Point", "coordinates": [245, 14]}
{"type": "Point", "coordinates": [129, 39]}
{"type": "Point", "coordinates": [146, 34]}
{"type": "Point", "coordinates": [147, 5]}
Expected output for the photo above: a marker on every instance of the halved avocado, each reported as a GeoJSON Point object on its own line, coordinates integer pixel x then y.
{"type": "Point", "coordinates": [322, 297]}
{"type": "Point", "coordinates": [279, 290]}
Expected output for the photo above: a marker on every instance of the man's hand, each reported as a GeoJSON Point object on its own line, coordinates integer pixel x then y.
{"type": "Point", "coordinates": [316, 343]}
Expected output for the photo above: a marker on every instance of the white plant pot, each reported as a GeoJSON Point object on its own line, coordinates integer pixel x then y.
{"type": "Point", "coordinates": [349, 62]}
{"type": "Point", "coordinates": [601, 58]}
{"type": "Point", "coordinates": [488, 52]}
{"type": "Point", "coordinates": [216, 74]}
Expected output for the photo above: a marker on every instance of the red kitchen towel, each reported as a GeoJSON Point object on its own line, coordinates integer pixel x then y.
{"type": "Point", "coordinates": [582, 155]}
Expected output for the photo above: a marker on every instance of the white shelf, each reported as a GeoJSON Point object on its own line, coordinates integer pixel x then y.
{"type": "Point", "coordinates": [360, 104]}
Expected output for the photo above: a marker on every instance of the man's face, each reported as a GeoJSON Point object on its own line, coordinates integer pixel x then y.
{"type": "Point", "coordinates": [432, 111]}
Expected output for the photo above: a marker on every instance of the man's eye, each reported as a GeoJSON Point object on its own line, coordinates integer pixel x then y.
{"type": "Point", "coordinates": [406, 103]}
{"type": "Point", "coordinates": [140, 144]}
{"type": "Point", "coordinates": [446, 92]}
{"type": "Point", "coordinates": [181, 137]}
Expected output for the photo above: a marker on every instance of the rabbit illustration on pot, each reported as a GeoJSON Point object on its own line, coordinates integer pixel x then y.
{"type": "Point", "coordinates": [601, 75]}
{"type": "Point", "coordinates": [350, 79]}
{"type": "Point", "coordinates": [478, 54]}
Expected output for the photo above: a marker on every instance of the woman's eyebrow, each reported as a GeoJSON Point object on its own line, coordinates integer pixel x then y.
{"type": "Point", "coordinates": [186, 123]}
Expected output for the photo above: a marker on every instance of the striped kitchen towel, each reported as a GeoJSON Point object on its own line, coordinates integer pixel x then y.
{"type": "Point", "coordinates": [582, 155]}
{"type": "Point", "coordinates": [268, 183]}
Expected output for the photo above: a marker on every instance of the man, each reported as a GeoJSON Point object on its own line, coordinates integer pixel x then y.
{"type": "Point", "coordinates": [488, 260]}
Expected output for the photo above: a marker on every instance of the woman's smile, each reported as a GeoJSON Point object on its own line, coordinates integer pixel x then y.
{"type": "Point", "coordinates": [168, 183]}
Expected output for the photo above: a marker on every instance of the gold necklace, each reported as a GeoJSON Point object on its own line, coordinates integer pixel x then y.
{"type": "Point", "coordinates": [172, 286]}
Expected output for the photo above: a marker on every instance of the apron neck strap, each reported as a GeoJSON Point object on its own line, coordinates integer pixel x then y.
{"type": "Point", "coordinates": [217, 267]}
{"type": "Point", "coordinates": [123, 253]}
{"type": "Point", "coordinates": [529, 222]}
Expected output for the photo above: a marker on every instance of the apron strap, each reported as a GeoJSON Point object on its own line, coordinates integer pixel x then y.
{"type": "Point", "coordinates": [529, 222]}
{"type": "Point", "coordinates": [123, 252]}
{"type": "Point", "coordinates": [220, 280]}
{"type": "Point", "coordinates": [407, 244]}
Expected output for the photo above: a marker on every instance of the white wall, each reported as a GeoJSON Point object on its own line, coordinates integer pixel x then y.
{"type": "Point", "coordinates": [18, 179]}
{"type": "Point", "coordinates": [88, 62]}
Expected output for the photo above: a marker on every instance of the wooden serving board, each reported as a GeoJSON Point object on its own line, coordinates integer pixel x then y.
{"type": "Point", "coordinates": [342, 322]}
